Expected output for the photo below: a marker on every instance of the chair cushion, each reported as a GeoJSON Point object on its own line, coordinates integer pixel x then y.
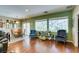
{"type": "Point", "coordinates": [60, 36]}
{"type": "Point", "coordinates": [60, 39]}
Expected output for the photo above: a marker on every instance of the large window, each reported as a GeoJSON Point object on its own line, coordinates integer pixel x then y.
{"type": "Point", "coordinates": [58, 24]}
{"type": "Point", "coordinates": [41, 25]}
{"type": "Point", "coordinates": [9, 26]}
{"type": "Point", "coordinates": [54, 24]}
{"type": "Point", "coordinates": [17, 24]}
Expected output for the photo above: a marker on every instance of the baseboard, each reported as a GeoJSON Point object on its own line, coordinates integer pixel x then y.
{"type": "Point", "coordinates": [69, 41]}
{"type": "Point", "coordinates": [72, 43]}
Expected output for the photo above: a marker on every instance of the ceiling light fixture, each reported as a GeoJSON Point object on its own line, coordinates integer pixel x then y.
{"type": "Point", "coordinates": [26, 10]}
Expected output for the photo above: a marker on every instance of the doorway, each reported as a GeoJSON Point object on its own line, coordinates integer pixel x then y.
{"type": "Point", "coordinates": [26, 38]}
{"type": "Point", "coordinates": [26, 28]}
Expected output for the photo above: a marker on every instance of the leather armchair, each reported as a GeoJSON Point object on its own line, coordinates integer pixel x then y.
{"type": "Point", "coordinates": [33, 33]}
{"type": "Point", "coordinates": [61, 36]}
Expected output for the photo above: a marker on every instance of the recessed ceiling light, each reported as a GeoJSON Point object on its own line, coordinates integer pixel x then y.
{"type": "Point", "coordinates": [26, 10]}
{"type": "Point", "coordinates": [45, 11]}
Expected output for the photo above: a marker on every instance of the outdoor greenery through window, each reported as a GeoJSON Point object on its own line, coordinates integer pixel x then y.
{"type": "Point", "coordinates": [54, 24]}
{"type": "Point", "coordinates": [41, 25]}
{"type": "Point", "coordinates": [58, 24]}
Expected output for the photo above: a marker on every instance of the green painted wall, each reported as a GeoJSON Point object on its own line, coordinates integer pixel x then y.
{"type": "Point", "coordinates": [54, 15]}
{"type": "Point", "coordinates": [32, 25]}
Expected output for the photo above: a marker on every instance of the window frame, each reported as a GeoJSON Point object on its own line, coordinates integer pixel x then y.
{"type": "Point", "coordinates": [58, 18]}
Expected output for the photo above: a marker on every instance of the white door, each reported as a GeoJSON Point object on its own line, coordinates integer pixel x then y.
{"type": "Point", "coordinates": [26, 28]}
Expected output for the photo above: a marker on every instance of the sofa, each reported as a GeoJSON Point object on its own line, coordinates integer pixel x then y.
{"type": "Point", "coordinates": [3, 42]}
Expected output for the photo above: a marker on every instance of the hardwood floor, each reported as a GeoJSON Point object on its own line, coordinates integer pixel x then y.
{"type": "Point", "coordinates": [39, 46]}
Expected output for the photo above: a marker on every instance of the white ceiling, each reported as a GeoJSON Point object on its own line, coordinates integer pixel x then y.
{"type": "Point", "coordinates": [18, 11]}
